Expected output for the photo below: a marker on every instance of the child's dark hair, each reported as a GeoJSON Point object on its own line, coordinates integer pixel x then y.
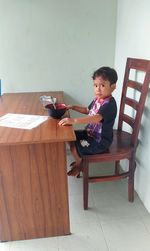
{"type": "Point", "coordinates": [106, 73]}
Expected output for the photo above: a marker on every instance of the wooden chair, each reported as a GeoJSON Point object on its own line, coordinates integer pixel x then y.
{"type": "Point", "coordinates": [124, 143]}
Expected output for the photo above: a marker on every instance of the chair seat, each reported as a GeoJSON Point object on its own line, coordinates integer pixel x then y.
{"type": "Point", "coordinates": [121, 148]}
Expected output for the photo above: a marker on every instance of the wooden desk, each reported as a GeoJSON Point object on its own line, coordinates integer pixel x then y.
{"type": "Point", "coordinates": [33, 180]}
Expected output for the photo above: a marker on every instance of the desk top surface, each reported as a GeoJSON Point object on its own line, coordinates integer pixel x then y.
{"type": "Point", "coordinates": [29, 103]}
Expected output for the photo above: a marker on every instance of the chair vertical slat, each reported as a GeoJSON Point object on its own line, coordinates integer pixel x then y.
{"type": "Point", "coordinates": [142, 100]}
{"type": "Point", "coordinates": [124, 91]}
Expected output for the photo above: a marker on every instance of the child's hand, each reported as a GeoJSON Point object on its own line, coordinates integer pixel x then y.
{"type": "Point", "coordinates": [66, 121]}
{"type": "Point", "coordinates": [69, 107]}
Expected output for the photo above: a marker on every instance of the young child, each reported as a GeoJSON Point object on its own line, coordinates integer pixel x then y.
{"type": "Point", "coordinates": [101, 113]}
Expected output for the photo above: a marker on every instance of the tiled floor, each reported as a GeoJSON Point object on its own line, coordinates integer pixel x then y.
{"type": "Point", "coordinates": [110, 224]}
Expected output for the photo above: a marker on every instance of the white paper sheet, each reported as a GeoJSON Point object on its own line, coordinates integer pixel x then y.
{"type": "Point", "coordinates": [21, 121]}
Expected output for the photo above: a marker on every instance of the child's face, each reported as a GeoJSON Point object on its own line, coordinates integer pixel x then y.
{"type": "Point", "coordinates": [102, 88]}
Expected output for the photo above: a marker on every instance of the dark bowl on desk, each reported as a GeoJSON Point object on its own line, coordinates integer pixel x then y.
{"type": "Point", "coordinates": [57, 112]}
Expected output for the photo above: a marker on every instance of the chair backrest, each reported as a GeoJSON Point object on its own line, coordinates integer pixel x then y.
{"type": "Point", "coordinates": [139, 65]}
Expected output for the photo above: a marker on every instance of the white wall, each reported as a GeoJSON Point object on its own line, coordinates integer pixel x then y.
{"type": "Point", "coordinates": [55, 45]}
{"type": "Point", "coordinates": [133, 40]}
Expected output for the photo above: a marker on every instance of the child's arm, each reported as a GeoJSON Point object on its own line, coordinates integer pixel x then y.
{"type": "Point", "coordinates": [80, 109]}
{"type": "Point", "coordinates": [85, 120]}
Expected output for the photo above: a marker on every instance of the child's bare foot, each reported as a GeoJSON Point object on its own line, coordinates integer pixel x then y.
{"type": "Point", "coordinates": [76, 168]}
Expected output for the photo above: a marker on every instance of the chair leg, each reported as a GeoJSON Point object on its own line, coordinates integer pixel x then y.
{"type": "Point", "coordinates": [132, 167]}
{"type": "Point", "coordinates": [85, 184]}
{"type": "Point", "coordinates": [117, 167]}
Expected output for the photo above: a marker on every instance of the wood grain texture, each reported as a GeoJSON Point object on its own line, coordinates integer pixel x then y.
{"type": "Point", "coordinates": [33, 179]}
{"type": "Point", "coordinates": [29, 103]}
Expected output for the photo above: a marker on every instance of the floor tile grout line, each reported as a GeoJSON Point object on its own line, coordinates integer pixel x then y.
{"type": "Point", "coordinates": [146, 228]}
{"type": "Point", "coordinates": [141, 217]}
{"type": "Point", "coordinates": [104, 237]}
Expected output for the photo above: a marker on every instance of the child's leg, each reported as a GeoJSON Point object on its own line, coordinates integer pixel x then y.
{"type": "Point", "coordinates": [77, 148]}
{"type": "Point", "coordinates": [73, 150]}
{"type": "Point", "coordinates": [77, 165]}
